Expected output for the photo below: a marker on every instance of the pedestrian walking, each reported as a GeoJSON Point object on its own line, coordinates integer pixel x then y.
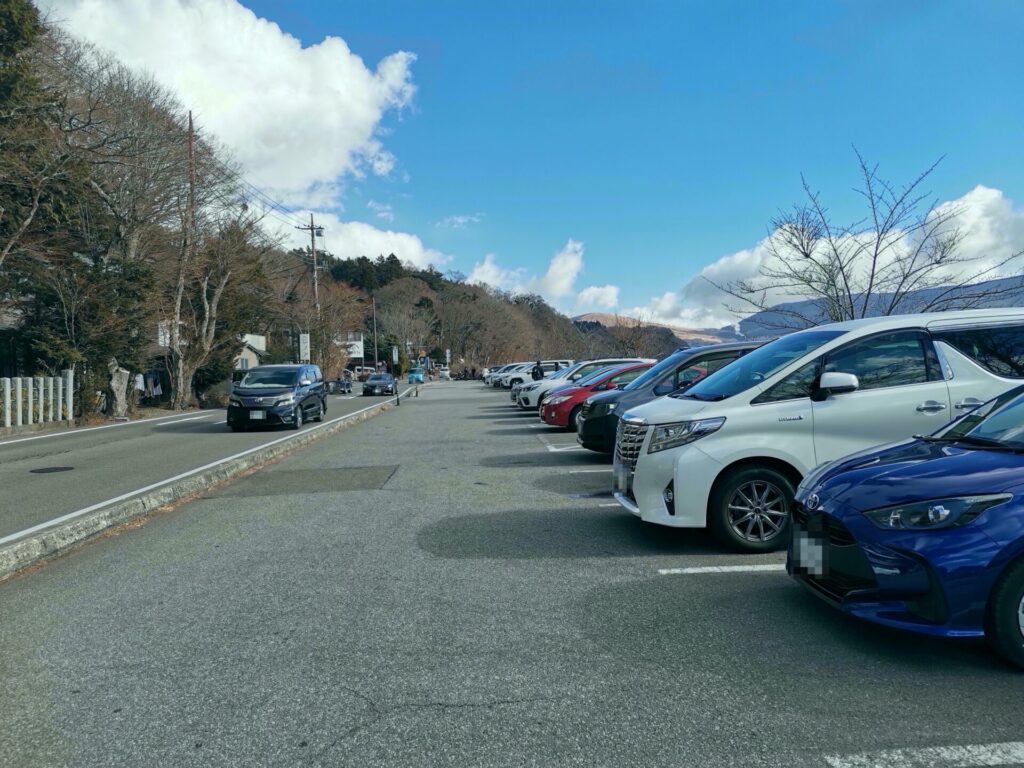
{"type": "Point", "coordinates": [538, 372]}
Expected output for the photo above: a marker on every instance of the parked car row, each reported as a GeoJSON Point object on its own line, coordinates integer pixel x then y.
{"type": "Point", "coordinates": [886, 455]}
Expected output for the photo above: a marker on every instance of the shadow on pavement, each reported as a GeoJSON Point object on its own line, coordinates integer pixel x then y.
{"type": "Point", "coordinates": [740, 620]}
{"type": "Point", "coordinates": [548, 460]}
{"type": "Point", "coordinates": [528, 534]}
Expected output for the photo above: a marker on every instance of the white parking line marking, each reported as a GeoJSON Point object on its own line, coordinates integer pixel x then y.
{"type": "Point", "coordinates": [586, 471]}
{"type": "Point", "coordinates": [1005, 753]}
{"type": "Point", "coordinates": [559, 448]}
{"type": "Point", "coordinates": [221, 422]}
{"type": "Point", "coordinates": [613, 504]}
{"type": "Point", "coordinates": [189, 473]}
{"type": "Point", "coordinates": [772, 568]}
{"type": "Point", "coordinates": [178, 421]}
{"type": "Point", "coordinates": [68, 432]}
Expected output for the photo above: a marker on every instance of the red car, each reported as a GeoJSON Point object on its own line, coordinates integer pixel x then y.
{"type": "Point", "coordinates": [564, 405]}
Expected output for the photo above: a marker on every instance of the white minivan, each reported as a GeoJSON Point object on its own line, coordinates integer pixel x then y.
{"type": "Point", "coordinates": [729, 452]}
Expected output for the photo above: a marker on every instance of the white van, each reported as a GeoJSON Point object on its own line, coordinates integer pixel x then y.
{"type": "Point", "coordinates": [531, 395]}
{"type": "Point", "coordinates": [729, 452]}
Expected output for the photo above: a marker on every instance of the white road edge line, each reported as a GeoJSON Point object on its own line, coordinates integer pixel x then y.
{"type": "Point", "coordinates": [99, 505]}
{"type": "Point", "coordinates": [68, 432]}
{"type": "Point", "coordinates": [966, 756]}
{"type": "Point", "coordinates": [765, 568]}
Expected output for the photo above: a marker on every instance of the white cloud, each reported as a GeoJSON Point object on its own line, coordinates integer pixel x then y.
{"type": "Point", "coordinates": [297, 118]}
{"type": "Point", "coordinates": [597, 297]}
{"type": "Point", "coordinates": [488, 272]}
{"type": "Point", "coordinates": [460, 221]}
{"type": "Point", "coordinates": [991, 227]}
{"type": "Point", "coordinates": [556, 283]}
{"type": "Point", "coordinates": [351, 239]}
{"type": "Point", "coordinates": [381, 210]}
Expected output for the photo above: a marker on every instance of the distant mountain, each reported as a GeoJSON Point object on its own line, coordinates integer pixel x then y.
{"type": "Point", "coordinates": [1006, 292]}
{"type": "Point", "coordinates": [686, 336]}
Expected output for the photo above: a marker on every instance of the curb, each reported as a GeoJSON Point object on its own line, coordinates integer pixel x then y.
{"type": "Point", "coordinates": [80, 526]}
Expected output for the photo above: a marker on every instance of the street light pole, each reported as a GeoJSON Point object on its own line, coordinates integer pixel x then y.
{"type": "Point", "coordinates": [373, 300]}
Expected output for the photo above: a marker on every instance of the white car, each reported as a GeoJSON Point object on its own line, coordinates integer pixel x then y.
{"type": "Point", "coordinates": [444, 373]}
{"type": "Point", "coordinates": [532, 395]}
{"type": "Point", "coordinates": [524, 374]}
{"type": "Point", "coordinates": [729, 452]}
{"type": "Point", "coordinates": [519, 371]}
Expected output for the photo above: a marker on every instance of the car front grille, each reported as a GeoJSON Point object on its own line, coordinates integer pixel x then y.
{"type": "Point", "coordinates": [629, 439]}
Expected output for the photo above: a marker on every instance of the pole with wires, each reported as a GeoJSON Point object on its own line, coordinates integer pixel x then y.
{"type": "Point", "coordinates": [313, 232]}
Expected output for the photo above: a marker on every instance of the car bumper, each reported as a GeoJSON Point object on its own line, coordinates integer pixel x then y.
{"type": "Point", "coordinates": [689, 471]}
{"type": "Point", "coordinates": [243, 417]}
{"type": "Point", "coordinates": [903, 580]}
{"type": "Point", "coordinates": [555, 415]}
{"type": "Point", "coordinates": [598, 433]}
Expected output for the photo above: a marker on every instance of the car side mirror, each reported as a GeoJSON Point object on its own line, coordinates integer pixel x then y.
{"type": "Point", "coordinates": [837, 383]}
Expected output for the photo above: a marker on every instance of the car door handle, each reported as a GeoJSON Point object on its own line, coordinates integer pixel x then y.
{"type": "Point", "coordinates": [931, 406]}
{"type": "Point", "coordinates": [968, 403]}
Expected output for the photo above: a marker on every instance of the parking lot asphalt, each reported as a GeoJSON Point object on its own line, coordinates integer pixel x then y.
{"type": "Point", "coordinates": [46, 476]}
{"type": "Point", "coordinates": [442, 585]}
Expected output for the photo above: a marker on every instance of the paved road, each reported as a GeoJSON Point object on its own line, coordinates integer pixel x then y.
{"type": "Point", "coordinates": [439, 587]}
{"type": "Point", "coordinates": [112, 460]}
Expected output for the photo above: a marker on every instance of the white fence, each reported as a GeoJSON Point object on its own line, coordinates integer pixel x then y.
{"type": "Point", "coordinates": [29, 400]}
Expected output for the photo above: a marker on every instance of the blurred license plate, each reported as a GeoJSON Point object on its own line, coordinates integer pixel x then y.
{"type": "Point", "coordinates": [810, 552]}
{"type": "Point", "coordinates": [621, 472]}
{"type": "Point", "coordinates": [257, 415]}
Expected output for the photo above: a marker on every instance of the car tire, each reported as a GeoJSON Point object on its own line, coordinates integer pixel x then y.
{"type": "Point", "coordinates": [573, 415]}
{"type": "Point", "coordinates": [767, 494]}
{"type": "Point", "coordinates": [1004, 621]}
{"type": "Point", "coordinates": [320, 409]}
{"type": "Point", "coordinates": [297, 417]}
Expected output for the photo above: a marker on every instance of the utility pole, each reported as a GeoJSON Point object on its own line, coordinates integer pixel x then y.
{"type": "Point", "coordinates": [313, 232]}
{"type": "Point", "coordinates": [373, 300]}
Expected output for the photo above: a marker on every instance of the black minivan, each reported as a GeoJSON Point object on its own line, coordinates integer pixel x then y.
{"type": "Point", "coordinates": [278, 394]}
{"type": "Point", "coordinates": [599, 417]}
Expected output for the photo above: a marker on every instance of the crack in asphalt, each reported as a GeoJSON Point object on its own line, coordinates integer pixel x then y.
{"type": "Point", "coordinates": [379, 713]}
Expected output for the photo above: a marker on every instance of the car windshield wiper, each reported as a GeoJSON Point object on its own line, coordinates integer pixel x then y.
{"type": "Point", "coordinates": [702, 398]}
{"type": "Point", "coordinates": [974, 440]}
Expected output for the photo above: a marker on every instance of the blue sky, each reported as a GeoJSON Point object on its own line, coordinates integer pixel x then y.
{"type": "Point", "coordinates": [661, 136]}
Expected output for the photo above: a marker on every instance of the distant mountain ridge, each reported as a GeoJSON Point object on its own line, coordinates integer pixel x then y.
{"type": "Point", "coordinates": [687, 336]}
{"type": "Point", "coordinates": [1005, 292]}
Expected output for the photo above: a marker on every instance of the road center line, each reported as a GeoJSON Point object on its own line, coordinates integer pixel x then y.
{"type": "Point", "coordinates": [179, 421]}
{"type": "Point", "coordinates": [1004, 753]}
{"type": "Point", "coordinates": [68, 432]}
{"type": "Point", "coordinates": [763, 568]}
{"type": "Point", "coordinates": [99, 505]}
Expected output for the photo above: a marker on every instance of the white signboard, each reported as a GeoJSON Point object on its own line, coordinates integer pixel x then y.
{"type": "Point", "coordinates": [394, 355]}
{"type": "Point", "coordinates": [448, 356]}
{"type": "Point", "coordinates": [304, 347]}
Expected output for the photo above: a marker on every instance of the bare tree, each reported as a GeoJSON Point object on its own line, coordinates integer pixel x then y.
{"type": "Point", "coordinates": [903, 256]}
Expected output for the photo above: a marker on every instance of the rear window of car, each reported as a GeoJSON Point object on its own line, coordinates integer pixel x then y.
{"type": "Point", "coordinates": [999, 350]}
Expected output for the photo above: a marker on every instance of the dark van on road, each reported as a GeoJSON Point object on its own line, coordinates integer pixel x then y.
{"type": "Point", "coordinates": [599, 417]}
{"type": "Point", "coordinates": [278, 394]}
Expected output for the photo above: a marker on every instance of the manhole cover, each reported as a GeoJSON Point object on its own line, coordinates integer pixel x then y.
{"type": "Point", "coordinates": [48, 470]}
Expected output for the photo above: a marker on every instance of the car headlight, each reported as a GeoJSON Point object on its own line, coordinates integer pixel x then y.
{"type": "Point", "coordinates": [528, 388]}
{"type": "Point", "coordinates": [682, 432]}
{"type": "Point", "coordinates": [234, 401]}
{"type": "Point", "coordinates": [286, 400]}
{"type": "Point", "coordinates": [557, 400]}
{"type": "Point", "coordinates": [937, 513]}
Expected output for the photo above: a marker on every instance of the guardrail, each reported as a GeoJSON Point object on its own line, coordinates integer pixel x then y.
{"type": "Point", "coordinates": [30, 400]}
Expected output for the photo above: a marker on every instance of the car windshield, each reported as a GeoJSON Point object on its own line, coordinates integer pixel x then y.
{"type": "Point", "coordinates": [655, 372]}
{"type": "Point", "coordinates": [378, 378]}
{"type": "Point", "coordinates": [270, 377]}
{"type": "Point", "coordinates": [753, 368]}
{"type": "Point", "coordinates": [1000, 420]}
{"type": "Point", "coordinates": [596, 376]}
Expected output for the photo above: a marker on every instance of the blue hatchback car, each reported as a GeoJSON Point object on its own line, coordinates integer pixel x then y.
{"type": "Point", "coordinates": [925, 535]}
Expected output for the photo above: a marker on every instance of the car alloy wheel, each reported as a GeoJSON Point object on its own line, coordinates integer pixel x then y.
{"type": "Point", "coordinates": [297, 417]}
{"type": "Point", "coordinates": [758, 511]}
